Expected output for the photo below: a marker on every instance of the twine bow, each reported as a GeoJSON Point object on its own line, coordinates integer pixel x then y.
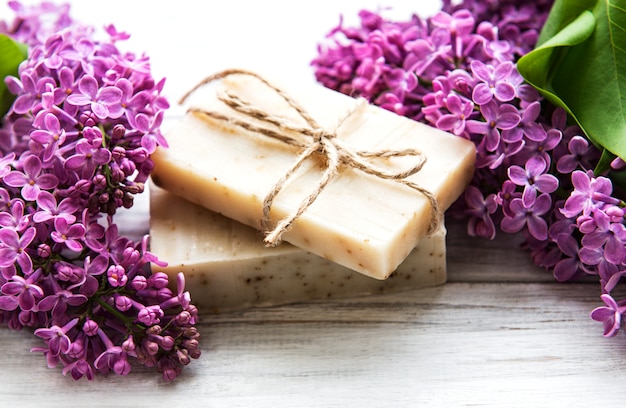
{"type": "Point", "coordinates": [317, 141]}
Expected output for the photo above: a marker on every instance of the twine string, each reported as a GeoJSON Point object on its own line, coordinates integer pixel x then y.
{"type": "Point", "coordinates": [311, 140]}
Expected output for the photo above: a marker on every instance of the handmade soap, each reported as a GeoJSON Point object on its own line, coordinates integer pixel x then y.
{"type": "Point", "coordinates": [360, 221]}
{"type": "Point", "coordinates": [227, 267]}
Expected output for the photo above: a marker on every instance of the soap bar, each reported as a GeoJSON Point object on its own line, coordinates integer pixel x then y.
{"type": "Point", "coordinates": [228, 268]}
{"type": "Point", "coordinates": [359, 221]}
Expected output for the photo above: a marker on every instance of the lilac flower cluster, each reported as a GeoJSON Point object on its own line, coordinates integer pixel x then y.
{"type": "Point", "coordinates": [534, 174]}
{"type": "Point", "coordinates": [74, 148]}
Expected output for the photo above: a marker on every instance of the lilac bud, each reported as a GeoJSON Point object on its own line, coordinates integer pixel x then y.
{"type": "Point", "coordinates": [193, 310]}
{"type": "Point", "coordinates": [129, 344]}
{"type": "Point", "coordinates": [83, 186]}
{"type": "Point", "coordinates": [90, 327]}
{"type": "Point", "coordinates": [163, 294]}
{"type": "Point", "coordinates": [191, 333]}
{"type": "Point", "coordinates": [150, 347]}
{"type": "Point", "coordinates": [121, 366]}
{"type": "Point", "coordinates": [139, 282]}
{"type": "Point", "coordinates": [123, 303]}
{"type": "Point", "coordinates": [99, 181]}
{"type": "Point", "coordinates": [150, 315]}
{"type": "Point", "coordinates": [615, 213]}
{"type": "Point", "coordinates": [118, 132]}
{"type": "Point", "coordinates": [128, 167]}
{"type": "Point", "coordinates": [142, 358]}
{"type": "Point", "coordinates": [93, 135]}
{"type": "Point", "coordinates": [131, 256]}
{"type": "Point", "coordinates": [154, 330]}
{"type": "Point", "coordinates": [77, 349]}
{"type": "Point", "coordinates": [44, 251]}
{"type": "Point", "coordinates": [170, 372]}
{"type": "Point", "coordinates": [109, 208]}
{"type": "Point", "coordinates": [586, 224]}
{"type": "Point", "coordinates": [87, 119]}
{"type": "Point", "coordinates": [194, 352]}
{"type": "Point", "coordinates": [139, 155]}
{"type": "Point", "coordinates": [183, 356]}
{"type": "Point", "coordinates": [69, 273]}
{"type": "Point", "coordinates": [118, 153]}
{"type": "Point", "coordinates": [118, 193]}
{"type": "Point", "coordinates": [191, 344]}
{"type": "Point", "coordinates": [135, 188]}
{"type": "Point", "coordinates": [128, 201]}
{"type": "Point", "coordinates": [103, 198]}
{"type": "Point", "coordinates": [144, 171]}
{"type": "Point", "coordinates": [167, 343]}
{"type": "Point", "coordinates": [183, 318]}
{"type": "Point", "coordinates": [116, 173]}
{"type": "Point", "coordinates": [158, 280]}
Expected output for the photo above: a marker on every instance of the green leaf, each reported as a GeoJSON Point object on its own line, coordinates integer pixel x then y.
{"type": "Point", "coordinates": [540, 66]}
{"type": "Point", "coordinates": [581, 65]}
{"type": "Point", "coordinates": [13, 53]}
{"type": "Point", "coordinates": [563, 12]}
{"type": "Point", "coordinates": [604, 164]}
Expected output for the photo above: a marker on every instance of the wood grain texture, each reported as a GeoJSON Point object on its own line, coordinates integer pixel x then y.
{"type": "Point", "coordinates": [461, 344]}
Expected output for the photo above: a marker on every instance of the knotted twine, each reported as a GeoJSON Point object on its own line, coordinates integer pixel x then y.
{"type": "Point", "coordinates": [317, 141]}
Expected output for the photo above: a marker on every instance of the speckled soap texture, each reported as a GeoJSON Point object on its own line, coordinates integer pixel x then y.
{"type": "Point", "coordinates": [227, 266]}
{"type": "Point", "coordinates": [360, 221]}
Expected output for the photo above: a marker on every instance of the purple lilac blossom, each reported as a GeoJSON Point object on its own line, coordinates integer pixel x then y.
{"type": "Point", "coordinates": [534, 171]}
{"type": "Point", "coordinates": [75, 147]}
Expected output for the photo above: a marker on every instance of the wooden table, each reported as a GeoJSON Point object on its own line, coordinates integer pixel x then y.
{"type": "Point", "coordinates": [501, 333]}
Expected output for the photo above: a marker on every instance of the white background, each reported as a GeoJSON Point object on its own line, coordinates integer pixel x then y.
{"type": "Point", "coordinates": [188, 40]}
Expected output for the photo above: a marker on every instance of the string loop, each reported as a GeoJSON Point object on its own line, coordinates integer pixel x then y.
{"type": "Point", "coordinates": [315, 140]}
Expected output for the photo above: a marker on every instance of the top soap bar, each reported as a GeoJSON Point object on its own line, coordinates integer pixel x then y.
{"type": "Point", "coordinates": [360, 221]}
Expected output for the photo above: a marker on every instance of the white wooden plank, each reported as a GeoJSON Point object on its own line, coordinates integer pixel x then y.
{"type": "Point", "coordinates": [461, 344]}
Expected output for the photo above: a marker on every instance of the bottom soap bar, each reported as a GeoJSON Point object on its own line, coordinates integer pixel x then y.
{"type": "Point", "coordinates": [227, 267]}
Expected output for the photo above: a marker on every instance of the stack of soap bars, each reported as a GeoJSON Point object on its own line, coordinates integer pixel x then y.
{"type": "Point", "coordinates": [365, 226]}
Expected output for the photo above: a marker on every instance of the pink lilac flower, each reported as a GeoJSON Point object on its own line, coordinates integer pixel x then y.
{"type": "Point", "coordinates": [533, 178]}
{"type": "Point", "coordinates": [610, 235]}
{"type": "Point", "coordinates": [75, 146]}
{"type": "Point", "coordinates": [51, 136]}
{"type": "Point", "coordinates": [49, 209]}
{"type": "Point", "coordinates": [14, 217]}
{"type": "Point", "coordinates": [528, 216]}
{"type": "Point", "coordinates": [100, 100]}
{"type": "Point", "coordinates": [480, 211]}
{"type": "Point", "coordinates": [69, 234]}
{"type": "Point", "coordinates": [527, 127]}
{"type": "Point", "coordinates": [494, 82]}
{"type": "Point", "coordinates": [581, 201]}
{"type": "Point", "coordinates": [87, 159]}
{"type": "Point", "coordinates": [578, 151]}
{"type": "Point", "coordinates": [460, 112]}
{"type": "Point", "coordinates": [32, 180]}
{"type": "Point", "coordinates": [13, 248]}
{"type": "Point", "coordinates": [31, 89]}
{"type": "Point", "coordinates": [567, 267]}
{"type": "Point", "coordinates": [24, 290]}
{"type": "Point", "coordinates": [610, 315]}
{"type": "Point", "coordinates": [497, 118]}
{"type": "Point", "coordinates": [56, 337]}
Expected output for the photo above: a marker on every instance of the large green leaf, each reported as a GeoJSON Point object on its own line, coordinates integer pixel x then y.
{"type": "Point", "coordinates": [581, 65]}
{"type": "Point", "coordinates": [11, 55]}
{"type": "Point", "coordinates": [563, 12]}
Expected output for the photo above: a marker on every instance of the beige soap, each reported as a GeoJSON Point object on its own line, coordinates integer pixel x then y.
{"type": "Point", "coordinates": [359, 221]}
{"type": "Point", "coordinates": [227, 267]}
